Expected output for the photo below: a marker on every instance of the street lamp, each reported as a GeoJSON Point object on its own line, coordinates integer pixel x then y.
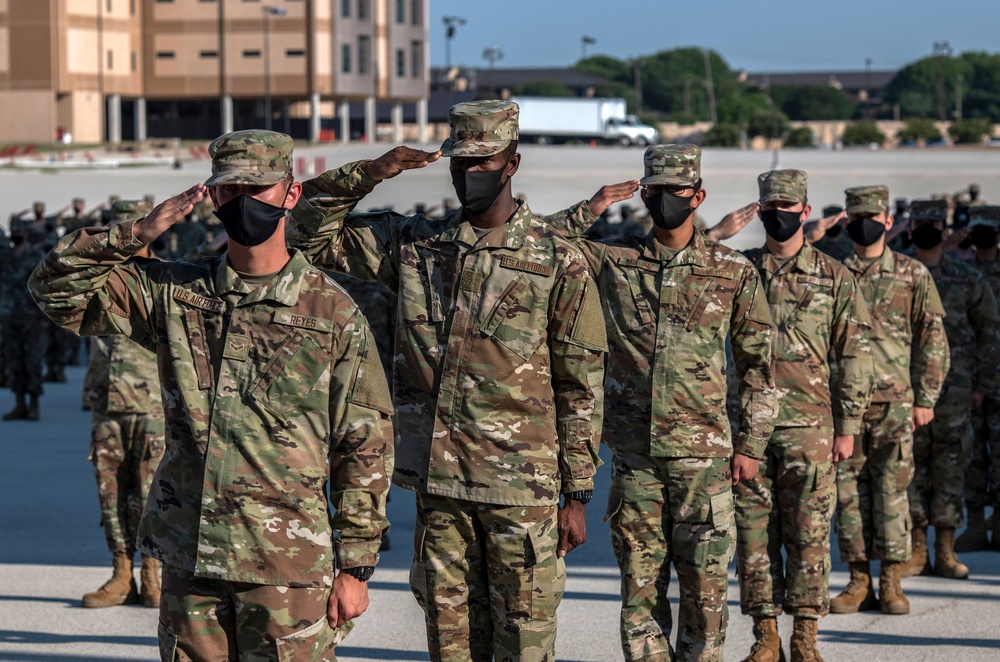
{"type": "Point", "coordinates": [269, 11]}
{"type": "Point", "coordinates": [584, 42]}
{"type": "Point", "coordinates": [492, 54]}
{"type": "Point", "coordinates": [450, 23]}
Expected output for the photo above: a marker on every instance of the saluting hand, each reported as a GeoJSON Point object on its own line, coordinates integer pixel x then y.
{"type": "Point", "coordinates": [816, 230]}
{"type": "Point", "coordinates": [733, 222]}
{"type": "Point", "coordinates": [610, 194]}
{"type": "Point", "coordinates": [397, 160]}
{"type": "Point", "coordinates": [167, 213]}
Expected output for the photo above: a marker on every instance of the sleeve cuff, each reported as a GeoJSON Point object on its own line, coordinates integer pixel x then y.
{"type": "Point", "coordinates": [121, 237]}
{"type": "Point", "coordinates": [577, 484]}
{"type": "Point", "coordinates": [350, 179]}
{"type": "Point", "coordinates": [922, 400]}
{"type": "Point", "coordinates": [850, 426]}
{"type": "Point", "coordinates": [750, 446]}
{"type": "Point", "coordinates": [357, 554]}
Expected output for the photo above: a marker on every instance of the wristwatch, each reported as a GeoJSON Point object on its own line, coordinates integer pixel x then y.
{"type": "Point", "coordinates": [583, 496]}
{"type": "Point", "coordinates": [362, 573]}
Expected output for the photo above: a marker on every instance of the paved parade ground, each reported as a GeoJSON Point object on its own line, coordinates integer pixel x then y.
{"type": "Point", "coordinates": [52, 548]}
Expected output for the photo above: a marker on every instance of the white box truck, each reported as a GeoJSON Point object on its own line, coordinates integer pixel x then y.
{"type": "Point", "coordinates": [547, 120]}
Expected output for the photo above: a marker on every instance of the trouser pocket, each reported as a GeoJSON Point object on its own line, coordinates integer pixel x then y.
{"type": "Point", "coordinates": [167, 641]}
{"type": "Point", "coordinates": [315, 643]}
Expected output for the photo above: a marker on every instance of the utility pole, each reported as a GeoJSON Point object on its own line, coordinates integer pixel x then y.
{"type": "Point", "coordinates": [942, 50]}
{"type": "Point", "coordinates": [492, 54]}
{"type": "Point", "coordinates": [269, 11]}
{"type": "Point", "coordinates": [584, 42]}
{"type": "Point", "coordinates": [637, 63]}
{"type": "Point", "coordinates": [868, 88]}
{"type": "Point", "coordinates": [687, 96]}
{"type": "Point", "coordinates": [450, 25]}
{"type": "Point", "coordinates": [958, 96]}
{"type": "Point", "coordinates": [710, 88]}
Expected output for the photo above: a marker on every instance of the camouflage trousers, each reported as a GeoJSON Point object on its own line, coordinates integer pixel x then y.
{"type": "Point", "coordinates": [939, 462]}
{"type": "Point", "coordinates": [982, 473]}
{"type": "Point", "coordinates": [488, 579]}
{"type": "Point", "coordinates": [24, 347]}
{"type": "Point", "coordinates": [873, 514]}
{"type": "Point", "coordinates": [788, 504]}
{"type": "Point", "coordinates": [204, 620]}
{"type": "Point", "coordinates": [125, 450]}
{"type": "Point", "coordinates": [679, 511]}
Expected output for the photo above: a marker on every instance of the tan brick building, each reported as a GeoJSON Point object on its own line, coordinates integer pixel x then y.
{"type": "Point", "coordinates": [128, 69]}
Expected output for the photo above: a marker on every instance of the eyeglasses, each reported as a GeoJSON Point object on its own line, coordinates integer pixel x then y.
{"type": "Point", "coordinates": [677, 191]}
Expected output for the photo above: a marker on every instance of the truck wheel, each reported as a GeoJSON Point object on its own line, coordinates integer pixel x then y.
{"type": "Point", "coordinates": [543, 140]}
{"type": "Point", "coordinates": [624, 141]}
{"type": "Point", "coordinates": [641, 142]}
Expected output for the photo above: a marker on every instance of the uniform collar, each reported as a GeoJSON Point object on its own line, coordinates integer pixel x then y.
{"type": "Point", "coordinates": [695, 253]}
{"type": "Point", "coordinates": [511, 234]}
{"type": "Point", "coordinates": [887, 263]}
{"type": "Point", "coordinates": [283, 288]}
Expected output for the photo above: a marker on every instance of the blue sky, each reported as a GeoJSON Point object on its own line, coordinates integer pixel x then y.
{"type": "Point", "coordinates": [756, 35]}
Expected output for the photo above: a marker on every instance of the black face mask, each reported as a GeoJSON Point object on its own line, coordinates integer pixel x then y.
{"type": "Point", "coordinates": [667, 210]}
{"type": "Point", "coordinates": [248, 221]}
{"type": "Point", "coordinates": [478, 190]}
{"type": "Point", "coordinates": [926, 237]}
{"type": "Point", "coordinates": [865, 231]}
{"type": "Point", "coordinates": [983, 237]}
{"type": "Point", "coordinates": [779, 224]}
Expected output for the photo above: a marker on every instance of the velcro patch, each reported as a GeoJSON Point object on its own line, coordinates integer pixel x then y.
{"type": "Point", "coordinates": [712, 273]}
{"type": "Point", "coordinates": [905, 278]}
{"type": "Point", "coordinates": [302, 321]}
{"type": "Point", "coordinates": [638, 263]}
{"type": "Point", "coordinates": [237, 347]}
{"type": "Point", "coordinates": [815, 280]}
{"type": "Point", "coordinates": [199, 301]}
{"type": "Point", "coordinates": [508, 262]}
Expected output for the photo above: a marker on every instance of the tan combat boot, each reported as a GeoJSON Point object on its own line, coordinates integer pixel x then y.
{"type": "Point", "coordinates": [974, 538]}
{"type": "Point", "coordinates": [804, 646]}
{"type": "Point", "coordinates": [859, 594]}
{"type": "Point", "coordinates": [890, 590]}
{"type": "Point", "coordinates": [119, 590]}
{"type": "Point", "coordinates": [767, 648]}
{"type": "Point", "coordinates": [149, 578]}
{"type": "Point", "coordinates": [20, 410]}
{"type": "Point", "coordinates": [946, 563]}
{"type": "Point", "coordinates": [920, 562]}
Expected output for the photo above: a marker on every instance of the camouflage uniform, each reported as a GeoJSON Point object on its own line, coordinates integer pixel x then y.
{"type": "Point", "coordinates": [122, 388]}
{"type": "Point", "coordinates": [271, 390]}
{"type": "Point", "coordinates": [498, 382]}
{"type": "Point", "coordinates": [668, 317]}
{"type": "Point", "coordinates": [982, 477]}
{"type": "Point", "coordinates": [907, 337]}
{"type": "Point", "coordinates": [819, 318]}
{"type": "Point", "coordinates": [971, 325]}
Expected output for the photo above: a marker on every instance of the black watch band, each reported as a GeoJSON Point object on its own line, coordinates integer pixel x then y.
{"type": "Point", "coordinates": [362, 573]}
{"type": "Point", "coordinates": [583, 496]}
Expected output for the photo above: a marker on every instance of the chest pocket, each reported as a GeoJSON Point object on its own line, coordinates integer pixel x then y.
{"type": "Point", "coordinates": [295, 376]}
{"type": "Point", "coordinates": [708, 314]}
{"type": "Point", "coordinates": [515, 321]}
{"type": "Point", "coordinates": [636, 294]}
{"type": "Point", "coordinates": [891, 307]}
{"type": "Point", "coordinates": [421, 288]}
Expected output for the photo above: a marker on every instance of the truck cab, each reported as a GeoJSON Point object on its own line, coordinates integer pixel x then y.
{"type": "Point", "coordinates": [630, 131]}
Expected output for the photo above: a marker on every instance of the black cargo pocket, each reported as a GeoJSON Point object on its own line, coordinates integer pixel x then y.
{"type": "Point", "coordinates": [167, 641]}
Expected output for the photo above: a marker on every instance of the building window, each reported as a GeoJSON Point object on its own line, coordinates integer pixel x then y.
{"type": "Point", "coordinates": [417, 12]}
{"type": "Point", "coordinates": [364, 10]}
{"type": "Point", "coordinates": [135, 62]}
{"type": "Point", "coordinates": [364, 54]}
{"type": "Point", "coordinates": [111, 60]}
{"type": "Point", "coordinates": [251, 53]}
{"type": "Point", "coordinates": [131, 7]}
{"type": "Point", "coordinates": [417, 49]}
{"type": "Point", "coordinates": [345, 58]}
{"type": "Point", "coordinates": [401, 63]}
{"type": "Point", "coordinates": [165, 55]}
{"type": "Point", "coordinates": [345, 8]}
{"type": "Point", "coordinates": [401, 11]}
{"type": "Point", "coordinates": [205, 55]}
{"type": "Point", "coordinates": [295, 52]}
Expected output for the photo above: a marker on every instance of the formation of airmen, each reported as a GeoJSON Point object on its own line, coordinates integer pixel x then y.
{"type": "Point", "coordinates": [237, 391]}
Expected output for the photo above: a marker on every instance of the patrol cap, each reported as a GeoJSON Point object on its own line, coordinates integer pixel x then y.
{"type": "Point", "coordinates": [929, 210]}
{"type": "Point", "coordinates": [38, 207]}
{"type": "Point", "coordinates": [867, 200]}
{"type": "Point", "coordinates": [130, 210]}
{"type": "Point", "coordinates": [782, 186]}
{"type": "Point", "coordinates": [254, 157]}
{"type": "Point", "coordinates": [481, 128]}
{"type": "Point", "coordinates": [79, 202]}
{"type": "Point", "coordinates": [671, 165]}
{"type": "Point", "coordinates": [988, 215]}
{"type": "Point", "coordinates": [973, 188]}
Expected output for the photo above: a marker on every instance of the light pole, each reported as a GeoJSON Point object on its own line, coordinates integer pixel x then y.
{"type": "Point", "coordinates": [942, 50]}
{"type": "Point", "coordinates": [450, 25]}
{"type": "Point", "coordinates": [868, 87]}
{"type": "Point", "coordinates": [492, 54]}
{"type": "Point", "coordinates": [958, 96]}
{"type": "Point", "coordinates": [584, 42]}
{"type": "Point", "coordinates": [269, 11]}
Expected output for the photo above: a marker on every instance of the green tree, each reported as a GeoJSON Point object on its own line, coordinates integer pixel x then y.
{"type": "Point", "coordinates": [799, 137]}
{"type": "Point", "coordinates": [863, 132]}
{"type": "Point", "coordinates": [542, 88]}
{"type": "Point", "coordinates": [767, 122]}
{"type": "Point", "coordinates": [722, 135]}
{"type": "Point", "coordinates": [814, 102]}
{"type": "Point", "coordinates": [970, 132]}
{"type": "Point", "coordinates": [920, 128]}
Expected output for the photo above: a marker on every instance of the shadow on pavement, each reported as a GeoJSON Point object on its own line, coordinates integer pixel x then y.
{"type": "Point", "coordinates": [69, 602]}
{"type": "Point", "coordinates": [882, 639]}
{"type": "Point", "coordinates": [10, 656]}
{"type": "Point", "coordinates": [24, 637]}
{"type": "Point", "coordinates": [379, 653]}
